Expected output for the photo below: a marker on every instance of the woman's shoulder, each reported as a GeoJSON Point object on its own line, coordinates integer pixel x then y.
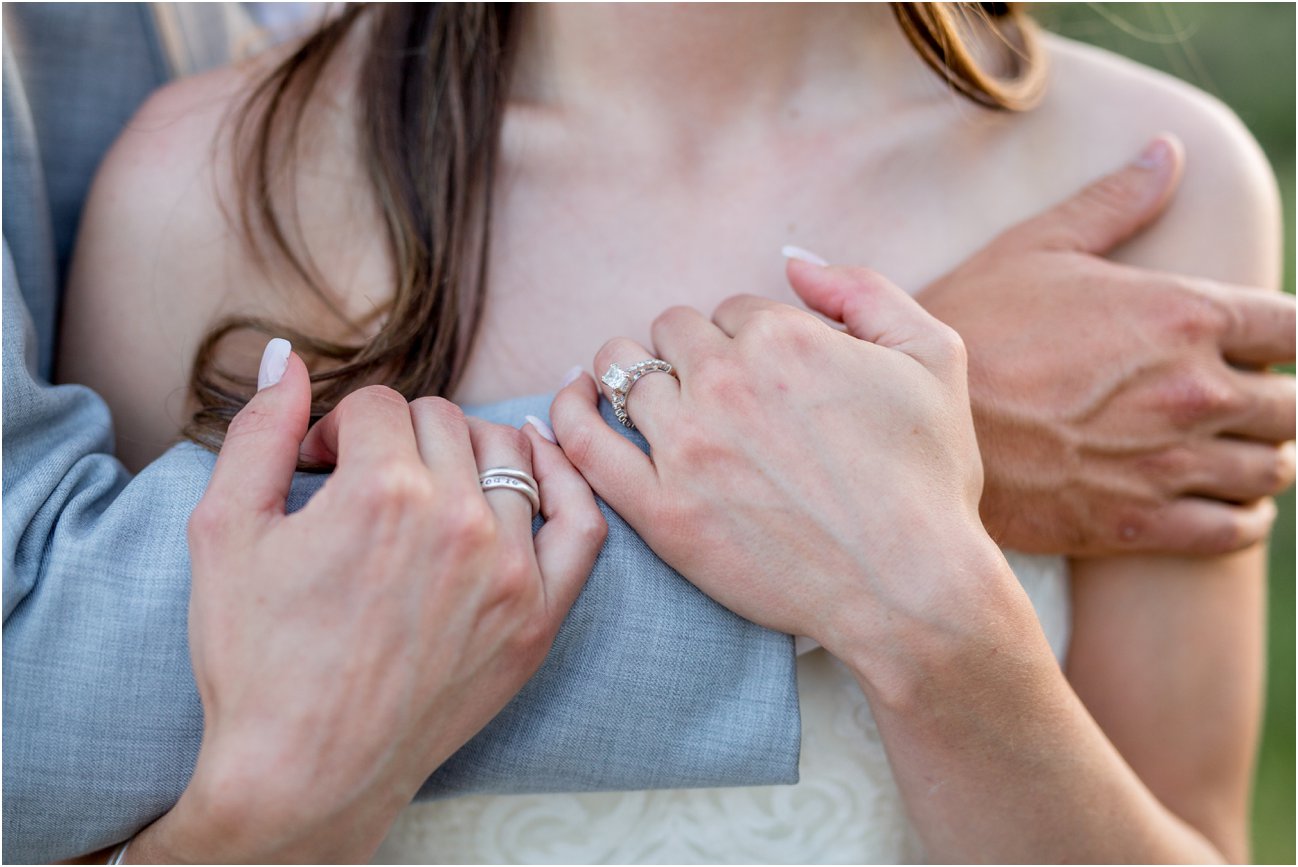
{"type": "Point", "coordinates": [161, 254]}
{"type": "Point", "coordinates": [1098, 93]}
{"type": "Point", "coordinates": [175, 165]}
{"type": "Point", "coordinates": [145, 278]}
{"type": "Point", "coordinates": [1100, 108]}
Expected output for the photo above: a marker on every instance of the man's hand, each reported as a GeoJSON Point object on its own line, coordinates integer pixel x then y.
{"type": "Point", "coordinates": [1117, 409]}
{"type": "Point", "coordinates": [342, 653]}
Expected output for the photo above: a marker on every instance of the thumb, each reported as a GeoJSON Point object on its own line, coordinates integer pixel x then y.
{"type": "Point", "coordinates": [1109, 211]}
{"type": "Point", "coordinates": [255, 468]}
{"type": "Point", "coordinates": [871, 306]}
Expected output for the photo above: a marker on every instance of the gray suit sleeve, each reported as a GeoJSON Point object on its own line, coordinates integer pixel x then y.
{"type": "Point", "coordinates": [101, 718]}
{"type": "Point", "coordinates": [649, 684]}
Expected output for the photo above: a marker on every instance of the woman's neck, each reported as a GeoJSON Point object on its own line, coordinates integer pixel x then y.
{"type": "Point", "coordinates": [696, 70]}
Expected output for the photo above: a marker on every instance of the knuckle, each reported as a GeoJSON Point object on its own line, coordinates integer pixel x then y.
{"type": "Point", "coordinates": [380, 393]}
{"type": "Point", "coordinates": [471, 527]}
{"type": "Point", "coordinates": [208, 521]}
{"type": "Point", "coordinates": [517, 442]}
{"type": "Point", "coordinates": [514, 574]}
{"type": "Point", "coordinates": [393, 488]}
{"type": "Point", "coordinates": [577, 440]}
{"type": "Point", "coordinates": [532, 639]}
{"type": "Point", "coordinates": [672, 317]}
{"type": "Point", "coordinates": [1196, 317]}
{"type": "Point", "coordinates": [512, 582]}
{"type": "Point", "coordinates": [505, 443]}
{"type": "Point", "coordinates": [761, 325]}
{"type": "Point", "coordinates": [695, 445]}
{"type": "Point", "coordinates": [611, 352]}
{"type": "Point", "coordinates": [439, 407]}
{"type": "Point", "coordinates": [590, 527]}
{"type": "Point", "coordinates": [1193, 398]}
{"type": "Point", "coordinates": [775, 324]}
{"type": "Point", "coordinates": [366, 399]}
{"type": "Point", "coordinates": [1168, 467]}
{"type": "Point", "coordinates": [714, 376]}
{"type": "Point", "coordinates": [727, 306]}
{"type": "Point", "coordinates": [950, 346]}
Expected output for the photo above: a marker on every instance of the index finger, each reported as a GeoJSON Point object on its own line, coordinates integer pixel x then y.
{"type": "Point", "coordinates": [367, 428]}
{"type": "Point", "coordinates": [874, 309]}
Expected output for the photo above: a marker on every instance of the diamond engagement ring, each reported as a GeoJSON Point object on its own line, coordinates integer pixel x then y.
{"type": "Point", "coordinates": [512, 480]}
{"type": "Point", "coordinates": [620, 382]}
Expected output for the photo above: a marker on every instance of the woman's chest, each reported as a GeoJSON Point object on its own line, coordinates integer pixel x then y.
{"type": "Point", "coordinates": [574, 264]}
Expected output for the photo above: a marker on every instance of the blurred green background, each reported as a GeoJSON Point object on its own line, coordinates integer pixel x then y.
{"type": "Point", "coordinates": [1242, 53]}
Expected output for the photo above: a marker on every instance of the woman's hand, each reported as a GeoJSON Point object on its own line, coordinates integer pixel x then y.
{"type": "Point", "coordinates": [343, 652]}
{"type": "Point", "coordinates": [815, 483]}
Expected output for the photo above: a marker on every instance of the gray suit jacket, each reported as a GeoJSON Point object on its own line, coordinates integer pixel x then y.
{"type": "Point", "coordinates": [650, 684]}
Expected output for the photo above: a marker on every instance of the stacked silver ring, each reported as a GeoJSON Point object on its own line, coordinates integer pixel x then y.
{"type": "Point", "coordinates": [620, 382]}
{"type": "Point", "coordinates": [509, 479]}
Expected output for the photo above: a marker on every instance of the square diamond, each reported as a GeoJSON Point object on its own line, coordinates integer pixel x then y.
{"type": "Point", "coordinates": [615, 378]}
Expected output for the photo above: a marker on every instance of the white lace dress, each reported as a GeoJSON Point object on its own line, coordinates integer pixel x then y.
{"type": "Point", "coordinates": [845, 809]}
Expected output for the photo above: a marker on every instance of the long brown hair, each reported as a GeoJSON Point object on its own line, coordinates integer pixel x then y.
{"type": "Point", "coordinates": [434, 78]}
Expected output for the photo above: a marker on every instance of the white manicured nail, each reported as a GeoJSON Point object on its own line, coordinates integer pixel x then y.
{"type": "Point", "coordinates": [274, 361]}
{"type": "Point", "coordinates": [542, 428]}
{"type": "Point", "coordinates": [571, 376]}
{"type": "Point", "coordinates": [792, 252]}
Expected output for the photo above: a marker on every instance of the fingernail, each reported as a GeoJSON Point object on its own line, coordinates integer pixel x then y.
{"type": "Point", "coordinates": [274, 361]}
{"type": "Point", "coordinates": [542, 428]}
{"type": "Point", "coordinates": [792, 252]}
{"type": "Point", "coordinates": [571, 376]}
{"type": "Point", "coordinates": [1155, 155]}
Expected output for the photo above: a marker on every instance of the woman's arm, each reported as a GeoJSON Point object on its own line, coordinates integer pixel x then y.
{"type": "Point", "coordinates": [875, 550]}
{"type": "Point", "coordinates": [1167, 652]}
{"type": "Point", "coordinates": [1167, 656]}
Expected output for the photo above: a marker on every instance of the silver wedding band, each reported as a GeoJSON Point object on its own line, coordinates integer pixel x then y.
{"type": "Point", "coordinates": [506, 478]}
{"type": "Point", "coordinates": [620, 382]}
